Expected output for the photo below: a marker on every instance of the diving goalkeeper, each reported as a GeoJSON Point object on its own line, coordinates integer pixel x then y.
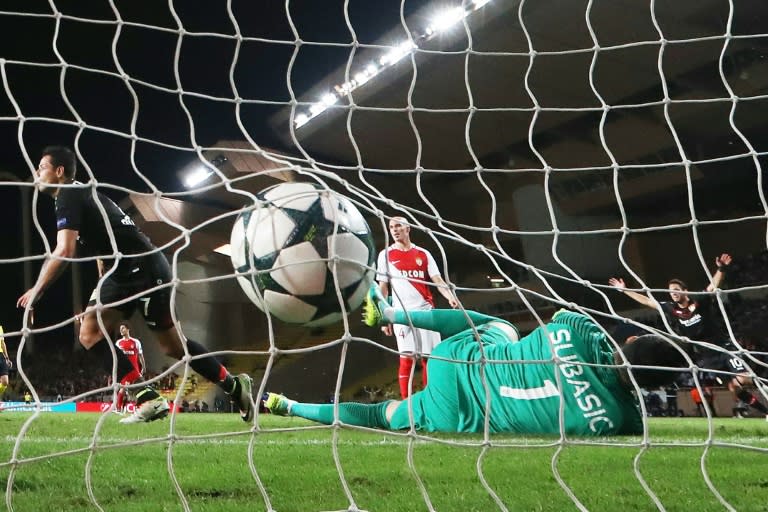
{"type": "Point", "coordinates": [519, 385]}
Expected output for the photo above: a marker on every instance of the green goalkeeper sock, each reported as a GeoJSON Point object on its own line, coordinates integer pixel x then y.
{"type": "Point", "coordinates": [445, 321]}
{"type": "Point", "coordinates": [351, 413]}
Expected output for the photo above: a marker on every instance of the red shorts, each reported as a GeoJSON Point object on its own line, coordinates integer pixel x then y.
{"type": "Point", "coordinates": [131, 377]}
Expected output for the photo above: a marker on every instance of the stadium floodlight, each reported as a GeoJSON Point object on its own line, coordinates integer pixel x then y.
{"type": "Point", "coordinates": [300, 120]}
{"type": "Point", "coordinates": [366, 74]}
{"type": "Point", "coordinates": [442, 21]}
{"type": "Point", "coordinates": [397, 53]}
{"type": "Point", "coordinates": [346, 87]}
{"type": "Point", "coordinates": [446, 19]}
{"type": "Point", "coordinates": [330, 98]}
{"type": "Point", "coordinates": [317, 108]}
{"type": "Point", "coordinates": [361, 77]}
{"type": "Point", "coordinates": [196, 176]}
{"type": "Point", "coordinates": [496, 282]}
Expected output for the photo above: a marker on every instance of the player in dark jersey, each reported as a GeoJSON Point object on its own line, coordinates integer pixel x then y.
{"type": "Point", "coordinates": [694, 318]}
{"type": "Point", "coordinates": [5, 364]}
{"type": "Point", "coordinates": [137, 275]}
{"type": "Point", "coordinates": [565, 378]}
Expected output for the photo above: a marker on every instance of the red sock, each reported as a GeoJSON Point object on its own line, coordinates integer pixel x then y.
{"type": "Point", "coordinates": [404, 375]}
{"type": "Point", "coordinates": [120, 400]}
{"type": "Point", "coordinates": [424, 373]}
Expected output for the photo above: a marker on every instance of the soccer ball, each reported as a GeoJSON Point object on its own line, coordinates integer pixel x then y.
{"type": "Point", "coordinates": [292, 249]}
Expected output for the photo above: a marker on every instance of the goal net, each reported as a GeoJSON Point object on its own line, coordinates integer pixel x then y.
{"type": "Point", "coordinates": [536, 149]}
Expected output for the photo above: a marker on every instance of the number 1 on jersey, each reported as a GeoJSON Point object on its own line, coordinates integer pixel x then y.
{"type": "Point", "coordinates": [548, 390]}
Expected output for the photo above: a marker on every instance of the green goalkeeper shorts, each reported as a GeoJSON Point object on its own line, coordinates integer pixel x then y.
{"type": "Point", "coordinates": [436, 407]}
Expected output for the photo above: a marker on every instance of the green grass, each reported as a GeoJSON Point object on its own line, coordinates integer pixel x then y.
{"type": "Point", "coordinates": [205, 460]}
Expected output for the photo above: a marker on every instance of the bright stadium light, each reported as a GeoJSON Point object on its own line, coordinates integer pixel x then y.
{"type": "Point", "coordinates": [317, 108]}
{"type": "Point", "coordinates": [330, 98]}
{"type": "Point", "coordinates": [300, 120]}
{"type": "Point", "coordinates": [346, 87]}
{"type": "Point", "coordinates": [397, 53]}
{"type": "Point", "coordinates": [197, 176]}
{"type": "Point", "coordinates": [442, 21]}
{"type": "Point", "coordinates": [447, 19]}
{"type": "Point", "coordinates": [496, 281]}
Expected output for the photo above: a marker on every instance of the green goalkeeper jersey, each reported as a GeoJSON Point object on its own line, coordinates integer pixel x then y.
{"type": "Point", "coordinates": [529, 391]}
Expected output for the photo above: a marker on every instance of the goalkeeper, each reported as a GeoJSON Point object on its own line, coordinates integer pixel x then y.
{"type": "Point", "coordinates": [515, 385]}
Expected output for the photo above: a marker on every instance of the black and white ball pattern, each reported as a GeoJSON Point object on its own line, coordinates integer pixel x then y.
{"type": "Point", "coordinates": [290, 247]}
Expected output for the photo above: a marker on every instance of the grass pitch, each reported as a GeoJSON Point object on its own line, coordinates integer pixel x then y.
{"type": "Point", "coordinates": [212, 462]}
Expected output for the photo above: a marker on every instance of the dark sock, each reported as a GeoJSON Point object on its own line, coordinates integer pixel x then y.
{"type": "Point", "coordinates": [210, 368]}
{"type": "Point", "coordinates": [751, 400]}
{"type": "Point", "coordinates": [351, 413]}
{"type": "Point", "coordinates": [445, 321]}
{"type": "Point", "coordinates": [104, 354]}
{"type": "Point", "coordinates": [145, 395]}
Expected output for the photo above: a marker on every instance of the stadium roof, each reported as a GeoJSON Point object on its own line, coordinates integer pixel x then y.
{"type": "Point", "coordinates": [503, 111]}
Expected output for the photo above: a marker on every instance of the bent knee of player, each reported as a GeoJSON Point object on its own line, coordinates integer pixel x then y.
{"type": "Point", "coordinates": [90, 333]}
{"type": "Point", "coordinates": [90, 337]}
{"type": "Point", "coordinates": [741, 379]}
{"type": "Point", "coordinates": [170, 343]}
{"type": "Point", "coordinates": [508, 329]}
{"type": "Point", "coordinates": [391, 408]}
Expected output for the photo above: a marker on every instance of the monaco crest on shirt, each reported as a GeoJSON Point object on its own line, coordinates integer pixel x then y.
{"type": "Point", "coordinates": [408, 272]}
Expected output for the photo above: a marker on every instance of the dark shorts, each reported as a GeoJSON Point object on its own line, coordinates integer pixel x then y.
{"type": "Point", "coordinates": [132, 279]}
{"type": "Point", "coordinates": [3, 365]}
{"type": "Point", "coordinates": [721, 362]}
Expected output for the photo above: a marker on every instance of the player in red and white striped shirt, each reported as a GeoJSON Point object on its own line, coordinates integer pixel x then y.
{"type": "Point", "coordinates": [408, 273]}
{"type": "Point", "coordinates": [131, 347]}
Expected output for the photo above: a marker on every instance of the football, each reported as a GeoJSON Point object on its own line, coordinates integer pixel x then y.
{"type": "Point", "coordinates": [295, 246]}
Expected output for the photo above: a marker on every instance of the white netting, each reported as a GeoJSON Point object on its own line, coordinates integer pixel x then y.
{"type": "Point", "coordinates": [537, 148]}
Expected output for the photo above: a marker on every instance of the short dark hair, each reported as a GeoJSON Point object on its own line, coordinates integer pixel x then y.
{"type": "Point", "coordinates": [653, 350]}
{"type": "Point", "coordinates": [678, 282]}
{"type": "Point", "coordinates": [62, 156]}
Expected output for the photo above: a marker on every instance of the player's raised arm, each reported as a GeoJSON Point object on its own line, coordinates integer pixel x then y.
{"type": "Point", "coordinates": [722, 262]}
{"type": "Point", "coordinates": [66, 244]}
{"type": "Point", "coordinates": [619, 284]}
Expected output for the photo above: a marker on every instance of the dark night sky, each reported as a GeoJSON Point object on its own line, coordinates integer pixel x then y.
{"type": "Point", "coordinates": [147, 54]}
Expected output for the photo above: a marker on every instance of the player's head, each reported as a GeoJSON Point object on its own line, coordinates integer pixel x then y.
{"type": "Point", "coordinates": [125, 330]}
{"type": "Point", "coordinates": [677, 290]}
{"type": "Point", "coordinates": [653, 350]}
{"type": "Point", "coordinates": [58, 164]}
{"type": "Point", "coordinates": [400, 229]}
